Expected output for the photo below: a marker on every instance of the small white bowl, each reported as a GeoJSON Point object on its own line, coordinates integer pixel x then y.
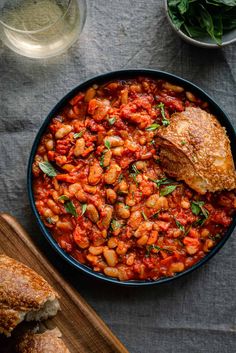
{"type": "Point", "coordinates": [204, 42]}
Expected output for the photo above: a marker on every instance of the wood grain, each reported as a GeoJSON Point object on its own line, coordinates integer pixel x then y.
{"type": "Point", "coordinates": [83, 330]}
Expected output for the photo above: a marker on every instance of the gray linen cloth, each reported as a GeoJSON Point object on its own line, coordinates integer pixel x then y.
{"type": "Point", "coordinates": [195, 314]}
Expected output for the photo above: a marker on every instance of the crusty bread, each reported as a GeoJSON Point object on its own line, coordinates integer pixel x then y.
{"type": "Point", "coordinates": [24, 295]}
{"type": "Point", "coordinates": [196, 149]}
{"type": "Point", "coordinates": [48, 342]}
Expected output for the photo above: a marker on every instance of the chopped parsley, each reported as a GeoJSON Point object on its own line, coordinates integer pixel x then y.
{"type": "Point", "coordinates": [183, 142]}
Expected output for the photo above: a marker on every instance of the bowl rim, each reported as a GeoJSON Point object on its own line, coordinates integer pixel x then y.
{"type": "Point", "coordinates": [193, 41]}
{"type": "Point", "coordinates": [102, 78]}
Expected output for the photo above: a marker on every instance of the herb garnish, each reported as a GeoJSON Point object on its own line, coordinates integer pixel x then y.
{"type": "Point", "coordinates": [83, 208]}
{"type": "Point", "coordinates": [198, 209]}
{"type": "Point", "coordinates": [144, 216]}
{"type": "Point", "coordinates": [158, 248]}
{"type": "Point", "coordinates": [163, 181]}
{"type": "Point", "coordinates": [63, 198]}
{"type": "Point", "coordinates": [121, 176]}
{"type": "Point", "coordinates": [70, 208]}
{"type": "Point", "coordinates": [78, 134]}
{"type": "Point", "coordinates": [134, 175]}
{"type": "Point", "coordinates": [115, 224]}
{"type": "Point", "coordinates": [153, 127]}
{"type": "Point", "coordinates": [164, 121]}
{"type": "Point", "coordinates": [167, 190]}
{"type": "Point", "coordinates": [179, 225]}
{"type": "Point", "coordinates": [183, 142]}
{"type": "Point", "coordinates": [102, 160]}
{"type": "Point", "coordinates": [48, 168]}
{"type": "Point", "coordinates": [107, 144]}
{"type": "Point", "coordinates": [155, 215]}
{"type": "Point", "coordinates": [112, 120]}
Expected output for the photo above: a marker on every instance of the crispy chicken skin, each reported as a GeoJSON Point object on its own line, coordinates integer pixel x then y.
{"type": "Point", "coordinates": [48, 342]}
{"type": "Point", "coordinates": [24, 295]}
{"type": "Point", "coordinates": [196, 149]}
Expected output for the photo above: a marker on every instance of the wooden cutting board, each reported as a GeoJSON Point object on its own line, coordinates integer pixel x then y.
{"type": "Point", "coordinates": [83, 330]}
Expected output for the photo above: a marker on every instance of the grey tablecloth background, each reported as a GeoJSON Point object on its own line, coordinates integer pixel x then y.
{"type": "Point", "coordinates": [197, 313]}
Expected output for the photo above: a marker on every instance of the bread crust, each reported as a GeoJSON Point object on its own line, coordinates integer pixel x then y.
{"type": "Point", "coordinates": [22, 290]}
{"type": "Point", "coordinates": [48, 342]}
{"type": "Point", "coordinates": [196, 149]}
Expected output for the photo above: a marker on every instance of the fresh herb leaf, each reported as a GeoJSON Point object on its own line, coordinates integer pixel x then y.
{"type": "Point", "coordinates": [107, 144]}
{"type": "Point", "coordinates": [144, 216]}
{"type": "Point", "coordinates": [47, 168]}
{"type": "Point", "coordinates": [183, 6]}
{"type": "Point", "coordinates": [102, 160]}
{"type": "Point", "coordinates": [167, 190]}
{"type": "Point", "coordinates": [115, 224]}
{"type": "Point", "coordinates": [198, 18]}
{"type": "Point", "coordinates": [49, 220]}
{"type": "Point", "coordinates": [127, 207]}
{"type": "Point", "coordinates": [163, 181]}
{"type": "Point", "coordinates": [196, 207]}
{"type": "Point", "coordinates": [63, 197]}
{"type": "Point", "coordinates": [135, 169]}
{"type": "Point", "coordinates": [153, 127]}
{"type": "Point", "coordinates": [112, 121]}
{"type": "Point", "coordinates": [179, 225]}
{"type": "Point", "coordinates": [70, 208]}
{"type": "Point", "coordinates": [83, 208]}
{"type": "Point", "coordinates": [121, 176]}
{"type": "Point", "coordinates": [134, 175]}
{"type": "Point", "coordinates": [164, 121]}
{"type": "Point", "coordinates": [183, 142]}
{"type": "Point", "coordinates": [158, 248]}
{"type": "Point", "coordinates": [156, 214]}
{"type": "Point", "coordinates": [78, 134]}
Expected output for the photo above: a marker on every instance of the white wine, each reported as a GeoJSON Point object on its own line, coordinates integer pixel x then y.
{"type": "Point", "coordinates": [41, 28]}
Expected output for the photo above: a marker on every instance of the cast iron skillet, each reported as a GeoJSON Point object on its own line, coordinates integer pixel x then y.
{"type": "Point", "coordinates": [124, 74]}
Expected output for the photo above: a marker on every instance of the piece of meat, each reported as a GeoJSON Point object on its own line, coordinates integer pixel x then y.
{"type": "Point", "coordinates": [196, 149]}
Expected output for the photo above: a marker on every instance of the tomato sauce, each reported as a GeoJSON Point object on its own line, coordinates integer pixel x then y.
{"type": "Point", "coordinates": [100, 189]}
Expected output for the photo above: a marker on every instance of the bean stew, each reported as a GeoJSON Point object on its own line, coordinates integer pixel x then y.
{"type": "Point", "coordinates": [100, 189]}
